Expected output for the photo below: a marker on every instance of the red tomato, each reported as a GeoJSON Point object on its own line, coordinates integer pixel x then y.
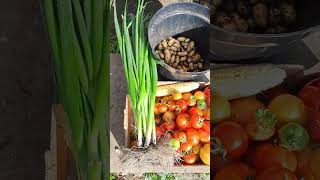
{"type": "Point", "coordinates": [257, 132]}
{"type": "Point", "coordinates": [303, 169]}
{"type": "Point", "coordinates": [163, 108]}
{"type": "Point", "coordinates": [182, 105]}
{"type": "Point", "coordinates": [206, 126]}
{"type": "Point", "coordinates": [207, 91]}
{"type": "Point", "coordinates": [186, 96]}
{"type": "Point", "coordinates": [313, 124]}
{"type": "Point", "coordinates": [183, 121]}
{"type": "Point", "coordinates": [181, 135]}
{"type": "Point", "coordinates": [196, 121]}
{"type": "Point", "coordinates": [193, 136]}
{"type": "Point", "coordinates": [190, 158]}
{"type": "Point", "coordinates": [232, 137]}
{"type": "Point", "coordinates": [189, 98]}
{"type": "Point", "coordinates": [276, 173]}
{"type": "Point", "coordinates": [310, 94]}
{"type": "Point", "coordinates": [191, 102]}
{"type": "Point", "coordinates": [156, 109]}
{"type": "Point", "coordinates": [186, 147]}
{"type": "Point", "coordinates": [165, 99]}
{"type": "Point", "coordinates": [159, 132]}
{"type": "Point", "coordinates": [268, 155]}
{"type": "Point", "coordinates": [157, 120]}
{"type": "Point", "coordinates": [169, 125]}
{"type": "Point", "coordinates": [262, 126]}
{"type": "Point", "coordinates": [204, 136]}
{"type": "Point", "coordinates": [235, 171]}
{"type": "Point", "coordinates": [206, 114]}
{"type": "Point", "coordinates": [245, 108]}
{"type": "Point", "coordinates": [208, 100]}
{"type": "Point", "coordinates": [199, 95]}
{"type": "Point", "coordinates": [171, 105]}
{"type": "Point", "coordinates": [168, 116]}
{"type": "Point", "coordinates": [195, 111]}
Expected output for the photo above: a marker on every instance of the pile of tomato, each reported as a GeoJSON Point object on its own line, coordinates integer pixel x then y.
{"type": "Point", "coordinates": [271, 136]}
{"type": "Point", "coordinates": [185, 119]}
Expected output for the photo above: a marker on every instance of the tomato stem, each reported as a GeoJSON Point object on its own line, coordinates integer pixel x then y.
{"type": "Point", "coordinates": [266, 118]}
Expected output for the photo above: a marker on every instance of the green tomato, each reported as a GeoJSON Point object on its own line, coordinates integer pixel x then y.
{"type": "Point", "coordinates": [202, 104]}
{"type": "Point", "coordinates": [293, 137]}
{"type": "Point", "coordinates": [174, 143]}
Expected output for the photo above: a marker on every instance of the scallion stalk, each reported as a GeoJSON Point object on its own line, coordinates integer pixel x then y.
{"type": "Point", "coordinates": [79, 39]}
{"type": "Point", "coordinates": [140, 71]}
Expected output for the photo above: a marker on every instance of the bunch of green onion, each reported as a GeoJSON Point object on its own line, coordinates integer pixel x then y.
{"type": "Point", "coordinates": [79, 36]}
{"type": "Point", "coordinates": [140, 71]}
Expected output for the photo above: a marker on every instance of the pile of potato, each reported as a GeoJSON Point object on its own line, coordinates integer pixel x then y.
{"type": "Point", "coordinates": [254, 16]}
{"type": "Point", "coordinates": [180, 53]}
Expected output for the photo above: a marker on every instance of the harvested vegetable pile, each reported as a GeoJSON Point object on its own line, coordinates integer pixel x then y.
{"type": "Point", "coordinates": [269, 136]}
{"type": "Point", "coordinates": [254, 16]}
{"type": "Point", "coordinates": [184, 119]}
{"type": "Point", "coordinates": [180, 53]}
{"type": "Point", "coordinates": [79, 40]}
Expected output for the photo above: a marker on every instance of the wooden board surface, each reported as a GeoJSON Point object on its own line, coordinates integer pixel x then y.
{"type": "Point", "coordinates": [65, 164]}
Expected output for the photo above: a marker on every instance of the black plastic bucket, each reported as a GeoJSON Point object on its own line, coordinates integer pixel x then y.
{"type": "Point", "coordinates": [234, 46]}
{"type": "Point", "coordinates": [187, 19]}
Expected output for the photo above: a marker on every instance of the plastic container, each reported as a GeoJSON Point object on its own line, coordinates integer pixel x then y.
{"type": "Point", "coordinates": [235, 46]}
{"type": "Point", "coordinates": [187, 19]}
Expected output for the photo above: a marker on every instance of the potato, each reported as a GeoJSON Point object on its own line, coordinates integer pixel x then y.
{"type": "Point", "coordinates": [231, 26]}
{"type": "Point", "coordinates": [274, 16]}
{"type": "Point", "coordinates": [222, 18]}
{"type": "Point", "coordinates": [288, 13]}
{"type": "Point", "coordinates": [260, 14]}
{"type": "Point", "coordinates": [243, 8]}
{"type": "Point", "coordinates": [216, 2]}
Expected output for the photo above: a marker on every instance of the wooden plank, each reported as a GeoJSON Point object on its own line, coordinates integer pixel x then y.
{"type": "Point", "coordinates": [65, 163]}
{"type": "Point", "coordinates": [128, 120]}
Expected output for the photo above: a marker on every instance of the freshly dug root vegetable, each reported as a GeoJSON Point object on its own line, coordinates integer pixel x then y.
{"type": "Point", "coordinates": [180, 53]}
{"type": "Point", "coordinates": [216, 2]}
{"type": "Point", "coordinates": [242, 25]}
{"type": "Point", "coordinates": [230, 26]}
{"type": "Point", "coordinates": [242, 8]}
{"type": "Point", "coordinates": [260, 14]}
{"type": "Point", "coordinates": [254, 16]}
{"type": "Point", "coordinates": [288, 13]}
{"type": "Point", "coordinates": [274, 16]}
{"type": "Point", "coordinates": [222, 18]}
{"type": "Point", "coordinates": [244, 81]}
